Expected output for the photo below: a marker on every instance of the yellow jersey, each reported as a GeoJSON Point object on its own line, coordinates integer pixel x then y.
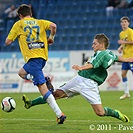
{"type": "Point", "coordinates": [32, 37]}
{"type": "Point", "coordinates": [127, 35]}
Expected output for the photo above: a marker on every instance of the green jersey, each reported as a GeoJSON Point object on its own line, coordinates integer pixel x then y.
{"type": "Point", "coordinates": [101, 60]}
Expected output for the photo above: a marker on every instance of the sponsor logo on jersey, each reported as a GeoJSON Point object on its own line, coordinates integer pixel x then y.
{"type": "Point", "coordinates": [34, 45]}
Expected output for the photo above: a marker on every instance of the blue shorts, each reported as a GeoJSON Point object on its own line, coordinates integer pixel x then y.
{"type": "Point", "coordinates": [127, 66]}
{"type": "Point", "coordinates": [34, 67]}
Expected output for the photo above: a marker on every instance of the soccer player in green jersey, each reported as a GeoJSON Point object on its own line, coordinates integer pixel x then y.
{"type": "Point", "coordinates": [89, 77]}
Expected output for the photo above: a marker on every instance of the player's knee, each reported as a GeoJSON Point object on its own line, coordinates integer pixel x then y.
{"type": "Point", "coordinates": [19, 73]}
{"type": "Point", "coordinates": [59, 94]}
{"type": "Point", "coordinates": [22, 73]}
{"type": "Point", "coordinates": [124, 75]}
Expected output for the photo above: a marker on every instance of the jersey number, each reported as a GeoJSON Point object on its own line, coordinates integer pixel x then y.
{"type": "Point", "coordinates": [35, 29]}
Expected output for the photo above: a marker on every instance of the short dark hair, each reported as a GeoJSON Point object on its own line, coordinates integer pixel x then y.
{"type": "Point", "coordinates": [125, 18]}
{"type": "Point", "coordinates": [24, 10]}
{"type": "Point", "coordinates": [102, 38]}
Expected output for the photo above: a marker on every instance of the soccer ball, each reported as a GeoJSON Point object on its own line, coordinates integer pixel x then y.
{"type": "Point", "coordinates": [8, 104]}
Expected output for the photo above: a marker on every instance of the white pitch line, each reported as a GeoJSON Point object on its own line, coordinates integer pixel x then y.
{"type": "Point", "coordinates": [25, 119]}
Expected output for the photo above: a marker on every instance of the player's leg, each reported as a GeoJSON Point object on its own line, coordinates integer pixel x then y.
{"type": "Point", "coordinates": [62, 92]}
{"type": "Point", "coordinates": [47, 96]}
{"type": "Point", "coordinates": [58, 94]}
{"type": "Point", "coordinates": [24, 75]}
{"type": "Point", "coordinates": [125, 85]}
{"type": "Point", "coordinates": [90, 92]}
{"type": "Point", "coordinates": [39, 100]}
{"type": "Point", "coordinates": [125, 68]}
{"type": "Point", "coordinates": [100, 111]}
{"type": "Point", "coordinates": [28, 103]}
{"type": "Point", "coordinates": [34, 67]}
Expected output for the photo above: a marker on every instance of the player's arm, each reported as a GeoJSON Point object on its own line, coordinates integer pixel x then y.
{"type": "Point", "coordinates": [121, 59]}
{"type": "Point", "coordinates": [53, 28]}
{"type": "Point", "coordinates": [124, 42]}
{"type": "Point", "coordinates": [12, 34]}
{"type": "Point", "coordinates": [87, 66]}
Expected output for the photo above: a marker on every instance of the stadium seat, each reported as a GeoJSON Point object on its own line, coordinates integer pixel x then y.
{"type": "Point", "coordinates": [77, 22]}
{"type": "Point", "coordinates": [9, 24]}
{"type": "Point", "coordinates": [25, 1]}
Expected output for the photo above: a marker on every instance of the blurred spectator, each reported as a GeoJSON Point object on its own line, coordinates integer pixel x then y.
{"type": "Point", "coordinates": [11, 12]}
{"type": "Point", "coordinates": [130, 3]}
{"type": "Point", "coordinates": [110, 7]}
{"type": "Point", "coordinates": [115, 4]}
{"type": "Point", "coordinates": [122, 4]}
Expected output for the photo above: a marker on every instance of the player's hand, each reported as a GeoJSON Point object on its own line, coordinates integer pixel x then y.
{"type": "Point", "coordinates": [76, 67]}
{"type": "Point", "coordinates": [50, 41]}
{"type": "Point", "coordinates": [120, 50]}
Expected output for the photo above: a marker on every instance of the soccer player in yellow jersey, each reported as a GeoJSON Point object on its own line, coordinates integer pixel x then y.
{"type": "Point", "coordinates": [33, 42]}
{"type": "Point", "coordinates": [126, 48]}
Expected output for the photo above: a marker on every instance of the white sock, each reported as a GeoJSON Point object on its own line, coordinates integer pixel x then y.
{"type": "Point", "coordinates": [126, 87]}
{"type": "Point", "coordinates": [51, 101]}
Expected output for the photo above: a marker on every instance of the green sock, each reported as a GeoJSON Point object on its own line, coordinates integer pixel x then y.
{"type": "Point", "coordinates": [111, 112]}
{"type": "Point", "coordinates": [37, 101]}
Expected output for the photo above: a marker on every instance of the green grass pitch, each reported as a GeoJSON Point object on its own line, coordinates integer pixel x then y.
{"type": "Point", "coordinates": [80, 116]}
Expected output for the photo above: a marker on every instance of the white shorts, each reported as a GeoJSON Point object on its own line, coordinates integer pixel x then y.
{"type": "Point", "coordinates": [83, 86]}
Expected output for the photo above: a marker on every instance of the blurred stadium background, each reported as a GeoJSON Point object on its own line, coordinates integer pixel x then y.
{"type": "Point", "coordinates": [77, 20]}
{"type": "Point", "coordinates": [77, 23]}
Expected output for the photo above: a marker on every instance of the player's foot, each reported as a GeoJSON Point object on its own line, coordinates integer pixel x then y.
{"type": "Point", "coordinates": [49, 84]}
{"type": "Point", "coordinates": [124, 96]}
{"type": "Point", "coordinates": [61, 119]}
{"type": "Point", "coordinates": [122, 117]}
{"type": "Point", "coordinates": [27, 102]}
